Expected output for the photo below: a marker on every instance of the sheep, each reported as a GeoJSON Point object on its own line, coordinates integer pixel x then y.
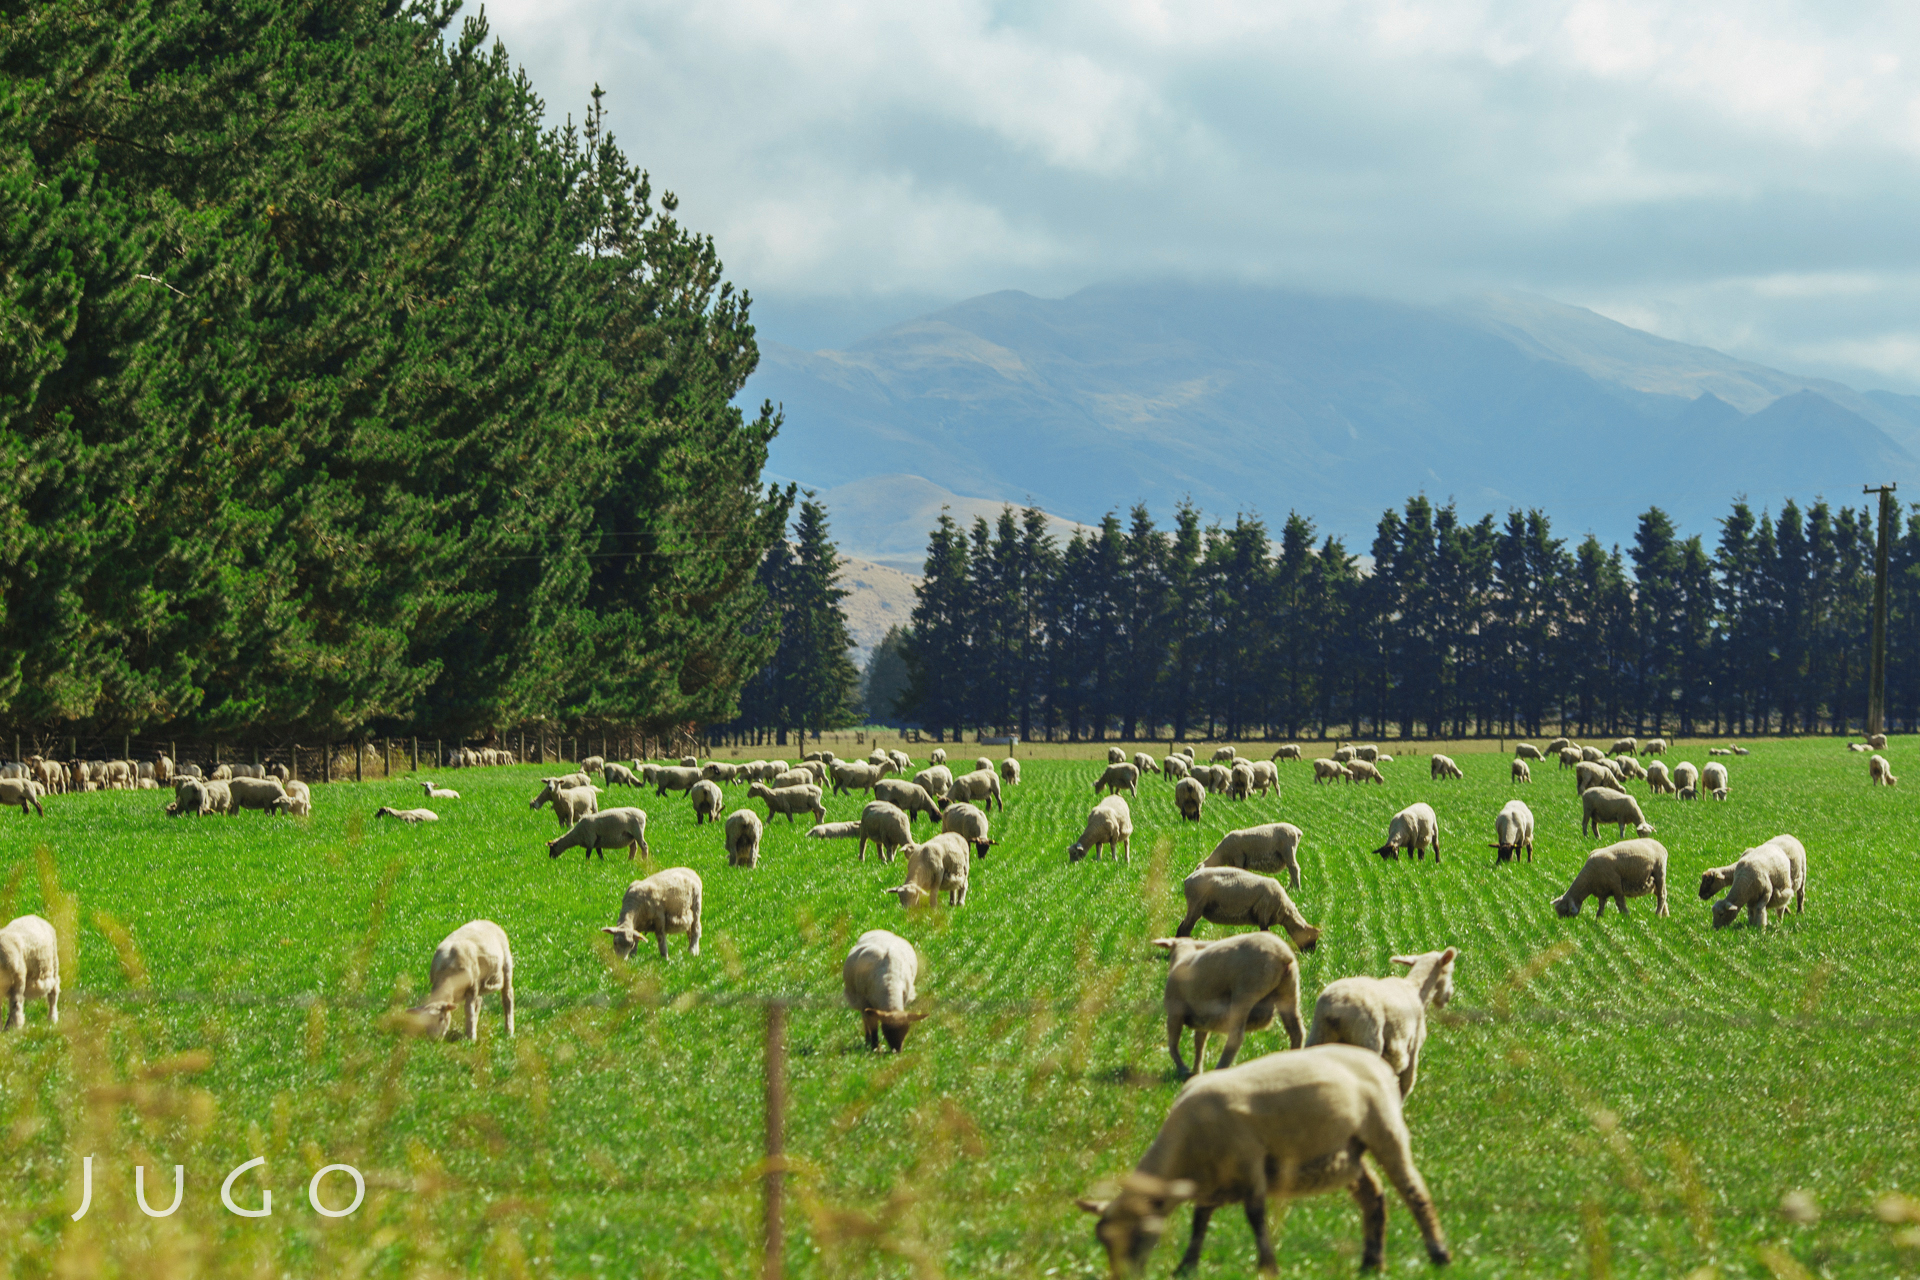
{"type": "Point", "coordinates": [1772, 875]}
{"type": "Point", "coordinates": [939, 756]}
{"type": "Point", "coordinates": [442, 793]}
{"type": "Point", "coordinates": [983, 764]}
{"type": "Point", "coordinates": [189, 796]}
{"type": "Point", "coordinates": [1600, 805]}
{"type": "Point", "coordinates": [789, 800]}
{"type": "Point", "coordinates": [980, 785]}
{"type": "Point", "coordinates": [877, 979]}
{"type": "Point", "coordinates": [1362, 771]}
{"type": "Point", "coordinates": [1570, 757]}
{"type": "Point", "coordinates": [618, 775]}
{"type": "Point", "coordinates": [1145, 763]}
{"type": "Point", "coordinates": [1512, 828]}
{"type": "Point", "coordinates": [1240, 781]}
{"type": "Point", "coordinates": [671, 778]}
{"type": "Point", "coordinates": [1587, 775]}
{"type": "Point", "coordinates": [793, 778]}
{"type": "Point", "coordinates": [858, 775]}
{"type": "Point", "coordinates": [1366, 751]}
{"type": "Point", "coordinates": [910, 797]}
{"type": "Point", "coordinates": [1629, 767]}
{"type": "Point", "coordinates": [1858, 746]}
{"type": "Point", "coordinates": [1325, 770]}
{"type": "Point", "coordinates": [689, 762]}
{"type": "Point", "coordinates": [473, 960]}
{"type": "Point", "coordinates": [1592, 755]}
{"type": "Point", "coordinates": [1188, 753]}
{"type": "Point", "coordinates": [815, 770]}
{"type": "Point", "coordinates": [1629, 869]}
{"type": "Point", "coordinates": [254, 793]}
{"type": "Point", "coordinates": [936, 780]}
{"type": "Point", "coordinates": [1719, 751]}
{"type": "Point", "coordinates": [1266, 778]}
{"type": "Point", "coordinates": [550, 788]}
{"type": "Point", "coordinates": [412, 817]}
{"type": "Point", "coordinates": [1228, 895]}
{"type": "Point", "coordinates": [965, 820]}
{"type": "Point", "coordinates": [707, 801]}
{"type": "Point", "coordinates": [1224, 755]}
{"type": "Point", "coordinates": [1174, 767]}
{"type": "Point", "coordinates": [1713, 780]}
{"type": "Point", "coordinates": [1685, 778]}
{"type": "Point", "coordinates": [877, 756]}
{"type": "Point", "coordinates": [22, 792]}
{"type": "Point", "coordinates": [1189, 797]}
{"type": "Point", "coordinates": [885, 824]}
{"type": "Point", "coordinates": [1272, 847]}
{"type": "Point", "coordinates": [1559, 744]}
{"type": "Point", "coordinates": [743, 832]}
{"type": "Point", "coordinates": [593, 764]}
{"type": "Point", "coordinates": [29, 968]}
{"type": "Point", "coordinates": [1118, 778]}
{"type": "Point", "coordinates": [1231, 986]}
{"type": "Point", "coordinates": [1413, 829]}
{"type": "Point", "coordinates": [1442, 767]}
{"type": "Point", "coordinates": [1879, 774]}
{"type": "Point", "coordinates": [1877, 741]}
{"type": "Point", "coordinates": [1654, 747]}
{"type": "Point", "coordinates": [1110, 824]}
{"type": "Point", "coordinates": [1214, 777]}
{"type": "Point", "coordinates": [1309, 1117]}
{"type": "Point", "coordinates": [1115, 755]}
{"type": "Point", "coordinates": [1387, 1016]}
{"type": "Point", "coordinates": [570, 804]}
{"type": "Point", "coordinates": [1624, 746]}
{"type": "Point", "coordinates": [938, 865]}
{"type": "Point", "coordinates": [716, 771]}
{"type": "Point", "coordinates": [1659, 781]}
{"type": "Point", "coordinates": [1010, 771]}
{"type": "Point", "coordinates": [1520, 771]}
{"type": "Point", "coordinates": [665, 902]}
{"type": "Point", "coordinates": [609, 828]}
{"type": "Point", "coordinates": [1287, 751]}
{"type": "Point", "coordinates": [902, 762]}
{"type": "Point", "coordinates": [1343, 754]}
{"type": "Point", "coordinates": [219, 796]}
{"type": "Point", "coordinates": [298, 806]}
{"type": "Point", "coordinates": [1526, 751]}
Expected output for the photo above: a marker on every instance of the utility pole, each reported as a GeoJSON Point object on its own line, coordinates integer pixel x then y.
{"type": "Point", "coordinates": [1877, 673]}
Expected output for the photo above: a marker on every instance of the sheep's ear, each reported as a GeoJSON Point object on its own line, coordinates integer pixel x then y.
{"type": "Point", "coordinates": [1091, 1205]}
{"type": "Point", "coordinates": [1166, 944]}
{"type": "Point", "coordinates": [1409, 961]}
{"type": "Point", "coordinates": [918, 1017]}
{"type": "Point", "coordinates": [1448, 956]}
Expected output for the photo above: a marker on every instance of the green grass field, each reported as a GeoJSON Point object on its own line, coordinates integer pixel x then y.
{"type": "Point", "coordinates": [1616, 1097]}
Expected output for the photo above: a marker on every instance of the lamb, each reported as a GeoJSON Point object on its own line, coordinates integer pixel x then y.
{"type": "Point", "coordinates": [909, 797]}
{"type": "Point", "coordinates": [1624, 746]}
{"type": "Point", "coordinates": [980, 785]}
{"type": "Point", "coordinates": [707, 801]}
{"type": "Point", "coordinates": [1629, 869]}
{"type": "Point", "coordinates": [1145, 763]}
{"type": "Point", "coordinates": [1386, 1015]}
{"type": "Point", "coordinates": [936, 866]}
{"type": "Point", "coordinates": [1629, 767]}
{"type": "Point", "coordinates": [1228, 895]}
{"type": "Point", "coordinates": [1877, 741]}
{"type": "Point", "coordinates": [1116, 756]}
{"type": "Point", "coordinates": [671, 778]}
{"type": "Point", "coordinates": [939, 756]}
{"type": "Point", "coordinates": [1521, 773]}
{"type": "Point", "coordinates": [412, 817]}
{"type": "Point", "coordinates": [1231, 986]}
{"type": "Point", "coordinates": [886, 825]}
{"type": "Point", "coordinates": [1569, 757]}
{"type": "Point", "coordinates": [254, 793]}
{"type": "Point", "coordinates": [607, 829]}
{"type": "Point", "coordinates": [1713, 780]}
{"type": "Point", "coordinates": [1587, 776]}
{"type": "Point", "coordinates": [1305, 1117]}
{"type": "Point", "coordinates": [1364, 771]}
{"type": "Point", "coordinates": [1654, 747]}
{"type": "Point", "coordinates": [1413, 829]}
{"type": "Point", "coordinates": [29, 968]}
{"type": "Point", "coordinates": [1879, 774]}
{"type": "Point", "coordinates": [1272, 847]}
{"type": "Point", "coordinates": [1443, 767]}
{"type": "Point", "coordinates": [965, 820]}
{"type": "Point", "coordinates": [1659, 781]}
{"type": "Point", "coordinates": [877, 979]}
{"type": "Point", "coordinates": [1010, 771]}
{"type": "Point", "coordinates": [936, 780]}
{"type": "Point", "coordinates": [1512, 828]}
{"type": "Point", "coordinates": [1174, 767]}
{"type": "Point", "coordinates": [1110, 824]}
{"type": "Point", "coordinates": [1772, 875]}
{"type": "Point", "coordinates": [789, 800]}
{"type": "Point", "coordinates": [1118, 778]}
{"type": "Point", "coordinates": [1858, 746]}
{"type": "Point", "coordinates": [1266, 778]}
{"type": "Point", "coordinates": [442, 793]}
{"type": "Point", "coordinates": [1287, 751]}
{"type": "Point", "coordinates": [743, 832]}
{"type": "Point", "coordinates": [717, 771]}
{"type": "Point", "coordinates": [1603, 804]}
{"type": "Point", "coordinates": [858, 775]}
{"type": "Point", "coordinates": [665, 902]}
{"type": "Point", "coordinates": [1189, 797]}
{"type": "Point", "coordinates": [618, 775]}
{"type": "Point", "coordinates": [24, 792]}
{"type": "Point", "coordinates": [1719, 751]}
{"type": "Point", "coordinates": [902, 762]}
{"type": "Point", "coordinates": [1240, 781]}
{"type": "Point", "coordinates": [473, 960]}
{"type": "Point", "coordinates": [1224, 755]}
{"type": "Point", "coordinates": [1325, 770]}
{"type": "Point", "coordinates": [983, 764]}
{"type": "Point", "coordinates": [189, 796]}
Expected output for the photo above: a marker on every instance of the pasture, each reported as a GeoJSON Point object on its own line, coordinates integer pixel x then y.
{"type": "Point", "coordinates": [1613, 1097]}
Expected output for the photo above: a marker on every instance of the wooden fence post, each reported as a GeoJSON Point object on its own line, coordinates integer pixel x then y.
{"type": "Point", "coordinates": [416, 753]}
{"type": "Point", "coordinates": [774, 1258]}
{"type": "Point", "coordinates": [359, 754]}
{"type": "Point", "coordinates": [326, 761]}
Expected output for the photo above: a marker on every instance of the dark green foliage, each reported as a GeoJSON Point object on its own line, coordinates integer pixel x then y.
{"type": "Point", "coordinates": [810, 684]}
{"type": "Point", "coordinates": [886, 677]}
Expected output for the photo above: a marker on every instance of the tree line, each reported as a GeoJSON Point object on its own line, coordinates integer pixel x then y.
{"type": "Point", "coordinates": [1448, 628]}
{"type": "Point", "coordinates": [338, 394]}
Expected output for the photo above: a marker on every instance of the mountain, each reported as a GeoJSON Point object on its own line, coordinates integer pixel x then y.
{"type": "Point", "coordinates": [878, 597]}
{"type": "Point", "coordinates": [1270, 400]}
{"type": "Point", "coordinates": [885, 519]}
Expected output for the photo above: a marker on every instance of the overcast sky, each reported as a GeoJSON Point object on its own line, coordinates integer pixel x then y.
{"type": "Point", "coordinates": [1741, 175]}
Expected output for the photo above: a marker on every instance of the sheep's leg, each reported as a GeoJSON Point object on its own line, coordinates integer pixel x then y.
{"type": "Point", "coordinates": [1373, 1218]}
{"type": "Point", "coordinates": [506, 998]}
{"type": "Point", "coordinates": [1757, 913]}
{"type": "Point", "coordinates": [16, 1009]}
{"type": "Point", "coordinates": [660, 934]}
{"type": "Point", "coordinates": [1237, 1016]}
{"type": "Point", "coordinates": [1202, 1215]}
{"type": "Point", "coordinates": [53, 1005]}
{"type": "Point", "coordinates": [1175, 1027]}
{"type": "Point", "coordinates": [1262, 1237]}
{"type": "Point", "coordinates": [1186, 926]}
{"type": "Point", "coordinates": [872, 1027]}
{"type": "Point", "coordinates": [1392, 1149]}
{"type": "Point", "coordinates": [1129, 848]}
{"type": "Point", "coordinates": [473, 1012]}
{"type": "Point", "coordinates": [1620, 900]}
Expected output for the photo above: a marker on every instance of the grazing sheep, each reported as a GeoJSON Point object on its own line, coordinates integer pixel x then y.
{"type": "Point", "coordinates": [1224, 755]}
{"type": "Point", "coordinates": [1592, 755]}
{"type": "Point", "coordinates": [665, 902]}
{"type": "Point", "coordinates": [1308, 1117]}
{"type": "Point", "coordinates": [794, 778]}
{"type": "Point", "coordinates": [1762, 878]}
{"type": "Point", "coordinates": [1213, 777]}
{"type": "Point", "coordinates": [1189, 797]}
{"type": "Point", "coordinates": [1110, 824]}
{"type": "Point", "coordinates": [902, 762]}
{"type": "Point", "coordinates": [1526, 751]}
{"type": "Point", "coordinates": [412, 817]}
{"type": "Point", "coordinates": [789, 800]}
{"type": "Point", "coordinates": [1386, 1015]}
{"type": "Point", "coordinates": [593, 764]}
{"type": "Point", "coordinates": [1228, 895]}
{"type": "Point", "coordinates": [1266, 778]}
{"type": "Point", "coordinates": [1570, 757]}
{"type": "Point", "coordinates": [551, 787]}
{"type": "Point", "coordinates": [1879, 774]}
{"type": "Point", "coordinates": [1116, 756]}
{"type": "Point", "coordinates": [189, 796]}
{"type": "Point", "coordinates": [983, 764]}
{"type": "Point", "coordinates": [858, 775]}
{"type": "Point", "coordinates": [1118, 778]}
{"type": "Point", "coordinates": [1654, 747]}
{"type": "Point", "coordinates": [1413, 829]}
{"type": "Point", "coordinates": [442, 793]}
{"type": "Point", "coordinates": [877, 979]}
{"type": "Point", "coordinates": [1366, 751]}
{"type": "Point", "coordinates": [689, 762]}
{"type": "Point", "coordinates": [1010, 771]}
{"type": "Point", "coordinates": [1685, 779]}
{"type": "Point", "coordinates": [936, 780]}
{"type": "Point", "coordinates": [1364, 771]}
{"type": "Point", "coordinates": [1174, 767]}
{"type": "Point", "coordinates": [254, 793]}
{"type": "Point", "coordinates": [939, 865]}
{"type": "Point", "coordinates": [939, 756]}
{"type": "Point", "coordinates": [910, 797]}
{"type": "Point", "coordinates": [671, 778]}
{"type": "Point", "coordinates": [1624, 746]}
{"type": "Point", "coordinates": [607, 829]}
{"type": "Point", "coordinates": [1877, 741]}
{"type": "Point", "coordinates": [1145, 763]}
{"type": "Point", "coordinates": [1443, 767]}
{"type": "Point", "coordinates": [718, 771]}
{"type": "Point", "coordinates": [965, 820]}
{"type": "Point", "coordinates": [1628, 767]}
{"type": "Point", "coordinates": [1659, 781]}
{"type": "Point", "coordinates": [707, 801]}
{"type": "Point", "coordinates": [299, 806]}
{"type": "Point", "coordinates": [1629, 869]}
{"type": "Point", "coordinates": [1713, 780]}
{"type": "Point", "coordinates": [1521, 773]}
{"type": "Point", "coordinates": [1587, 775]}
{"type": "Point", "coordinates": [1240, 780]}
{"type": "Point", "coordinates": [1343, 754]}
{"type": "Point", "coordinates": [1559, 744]}
{"type": "Point", "coordinates": [743, 832]}
{"type": "Point", "coordinates": [1325, 770]}
{"type": "Point", "coordinates": [1287, 751]}
{"type": "Point", "coordinates": [976, 787]}
{"type": "Point", "coordinates": [618, 775]}
{"type": "Point", "coordinates": [29, 968]}
{"type": "Point", "coordinates": [1601, 805]}
{"type": "Point", "coordinates": [1272, 847]}
{"type": "Point", "coordinates": [816, 771]}
{"type": "Point", "coordinates": [473, 960]}
{"type": "Point", "coordinates": [1230, 986]}
{"type": "Point", "coordinates": [1513, 827]}
{"type": "Point", "coordinates": [24, 792]}
{"type": "Point", "coordinates": [886, 825]}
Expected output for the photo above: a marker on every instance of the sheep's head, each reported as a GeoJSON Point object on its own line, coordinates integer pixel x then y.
{"type": "Point", "coordinates": [1724, 913]}
{"type": "Point", "coordinates": [626, 938]}
{"type": "Point", "coordinates": [1565, 906]}
{"type": "Point", "coordinates": [1433, 971]}
{"type": "Point", "coordinates": [1131, 1223]}
{"type": "Point", "coordinates": [1389, 850]}
{"type": "Point", "coordinates": [1306, 936]}
{"type": "Point", "coordinates": [434, 1019]}
{"type": "Point", "coordinates": [1075, 852]}
{"type": "Point", "coordinates": [384, 812]}
{"type": "Point", "coordinates": [910, 894]}
{"type": "Point", "coordinates": [1713, 880]}
{"type": "Point", "coordinates": [893, 1024]}
{"type": "Point", "coordinates": [1643, 830]}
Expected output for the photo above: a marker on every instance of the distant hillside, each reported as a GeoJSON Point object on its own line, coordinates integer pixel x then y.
{"type": "Point", "coordinates": [1268, 400]}
{"type": "Point", "coordinates": [878, 597]}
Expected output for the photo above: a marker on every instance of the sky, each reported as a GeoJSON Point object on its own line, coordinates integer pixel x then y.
{"type": "Point", "coordinates": [1740, 175]}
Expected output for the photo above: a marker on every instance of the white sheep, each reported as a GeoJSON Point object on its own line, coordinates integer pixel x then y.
{"type": "Point", "coordinates": [1526, 751]}
{"type": "Point", "coordinates": [1230, 986]}
{"type": "Point", "coordinates": [1570, 756]}
{"type": "Point", "coordinates": [858, 775]}
{"type": "Point", "coordinates": [1879, 772]}
{"type": "Point", "coordinates": [1224, 755]}
{"type": "Point", "coordinates": [1300, 1114]}
{"type": "Point", "coordinates": [618, 775]}
{"type": "Point", "coordinates": [910, 797]}
{"type": "Point", "coordinates": [936, 780]}
{"type": "Point", "coordinates": [1174, 767]}
{"type": "Point", "coordinates": [964, 820]}
{"type": "Point", "coordinates": [902, 762]}
{"type": "Point", "coordinates": [1343, 753]}
{"type": "Point", "coordinates": [743, 833]}
{"type": "Point", "coordinates": [887, 825]}
{"type": "Point", "coordinates": [983, 764]}
{"type": "Point", "coordinates": [254, 793]}
{"type": "Point", "coordinates": [1559, 744]}
{"type": "Point", "coordinates": [1512, 828]}
{"type": "Point", "coordinates": [1386, 1015]}
{"type": "Point", "coordinates": [1877, 741]}
{"type": "Point", "coordinates": [473, 960]}
{"type": "Point", "coordinates": [1442, 767]}
{"type": "Point", "coordinates": [721, 771]}
{"type": "Point", "coordinates": [1592, 755]}
{"type": "Point", "coordinates": [25, 792]}
{"type": "Point", "coordinates": [936, 867]}
{"type": "Point", "coordinates": [1659, 781]}
{"type": "Point", "coordinates": [1629, 869]}
{"type": "Point", "coordinates": [1145, 763]}
{"type": "Point", "coordinates": [1366, 751]}
{"type": "Point", "coordinates": [707, 801]}
{"type": "Point", "coordinates": [439, 793]}
{"type": "Point", "coordinates": [1713, 780]}
{"type": "Point", "coordinates": [1110, 824]}
{"type": "Point", "coordinates": [1588, 775]}
{"type": "Point", "coordinates": [1010, 771]}
{"type": "Point", "coordinates": [672, 778]}
{"type": "Point", "coordinates": [665, 902]}
{"type": "Point", "coordinates": [939, 756]}
{"type": "Point", "coordinates": [1600, 805]}
{"type": "Point", "coordinates": [1240, 780]}
{"type": "Point", "coordinates": [1118, 778]}
{"type": "Point", "coordinates": [1287, 751]}
{"type": "Point", "coordinates": [1271, 847]}
{"type": "Point", "coordinates": [793, 778]}
{"type": "Point", "coordinates": [1768, 876]}
{"type": "Point", "coordinates": [1520, 771]}
{"type": "Point", "coordinates": [1686, 779]}
{"type": "Point", "coordinates": [606, 829]}
{"type": "Point", "coordinates": [1628, 767]}
{"type": "Point", "coordinates": [1116, 755]}
{"type": "Point", "coordinates": [877, 979]}
{"type": "Point", "coordinates": [1325, 770]}
{"type": "Point", "coordinates": [1654, 747]}
{"type": "Point", "coordinates": [29, 968]}
{"type": "Point", "coordinates": [1414, 828]}
{"type": "Point", "coordinates": [412, 817]}
{"type": "Point", "coordinates": [1228, 895]}
{"type": "Point", "coordinates": [1189, 797]}
{"type": "Point", "coordinates": [981, 787]}
{"type": "Point", "coordinates": [789, 800]}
